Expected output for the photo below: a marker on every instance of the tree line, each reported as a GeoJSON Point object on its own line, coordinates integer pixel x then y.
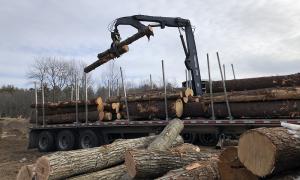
{"type": "Point", "coordinates": [58, 77]}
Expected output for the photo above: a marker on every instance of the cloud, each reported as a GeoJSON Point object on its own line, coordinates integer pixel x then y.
{"type": "Point", "coordinates": [259, 37]}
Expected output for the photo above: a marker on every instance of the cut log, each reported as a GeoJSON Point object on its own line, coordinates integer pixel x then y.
{"type": "Point", "coordinates": [114, 173]}
{"type": "Point", "coordinates": [145, 97]}
{"type": "Point", "coordinates": [101, 115]}
{"type": "Point", "coordinates": [65, 110]}
{"type": "Point", "coordinates": [256, 83]}
{"type": "Point", "coordinates": [107, 116]}
{"type": "Point", "coordinates": [189, 92]}
{"type": "Point", "coordinates": [231, 168]}
{"type": "Point", "coordinates": [62, 164]}
{"type": "Point", "coordinates": [167, 136]}
{"type": "Point", "coordinates": [185, 148]}
{"type": "Point", "coordinates": [270, 94]}
{"type": "Point", "coordinates": [197, 170]}
{"type": "Point", "coordinates": [119, 116]}
{"type": "Point", "coordinates": [65, 104]}
{"type": "Point", "coordinates": [66, 118]}
{"type": "Point", "coordinates": [26, 172]}
{"type": "Point", "coordinates": [194, 109]}
{"type": "Point", "coordinates": [153, 109]}
{"type": "Point", "coordinates": [266, 151]}
{"type": "Point", "coordinates": [121, 47]}
{"type": "Point", "coordinates": [151, 164]}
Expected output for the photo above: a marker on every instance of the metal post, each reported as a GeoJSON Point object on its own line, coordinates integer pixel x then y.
{"type": "Point", "coordinates": [224, 87]}
{"type": "Point", "coordinates": [86, 98]}
{"type": "Point", "coordinates": [118, 88]}
{"type": "Point", "coordinates": [186, 79]}
{"type": "Point", "coordinates": [108, 88]}
{"type": "Point", "coordinates": [125, 96]}
{"type": "Point", "coordinates": [43, 103]}
{"type": "Point", "coordinates": [165, 87]}
{"type": "Point", "coordinates": [233, 71]}
{"type": "Point", "coordinates": [36, 102]}
{"type": "Point", "coordinates": [76, 100]}
{"type": "Point", "coordinates": [151, 84]}
{"type": "Point", "coordinates": [210, 90]}
{"type": "Point", "coordinates": [72, 95]}
{"type": "Point", "coordinates": [224, 71]}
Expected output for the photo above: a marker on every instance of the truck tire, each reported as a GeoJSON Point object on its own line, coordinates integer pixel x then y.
{"type": "Point", "coordinates": [208, 139]}
{"type": "Point", "coordinates": [65, 140]}
{"type": "Point", "coordinates": [45, 141]}
{"type": "Point", "coordinates": [88, 139]}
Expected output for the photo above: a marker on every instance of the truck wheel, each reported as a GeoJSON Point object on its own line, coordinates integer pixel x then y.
{"type": "Point", "coordinates": [208, 139]}
{"type": "Point", "coordinates": [88, 139]}
{"type": "Point", "coordinates": [65, 140]}
{"type": "Point", "coordinates": [45, 141]}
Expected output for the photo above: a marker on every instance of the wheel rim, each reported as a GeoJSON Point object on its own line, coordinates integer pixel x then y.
{"type": "Point", "coordinates": [43, 142]}
{"type": "Point", "coordinates": [86, 142]}
{"type": "Point", "coordinates": [207, 139]}
{"type": "Point", "coordinates": [64, 142]}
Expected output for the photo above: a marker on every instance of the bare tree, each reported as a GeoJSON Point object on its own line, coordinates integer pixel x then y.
{"type": "Point", "coordinates": [38, 70]}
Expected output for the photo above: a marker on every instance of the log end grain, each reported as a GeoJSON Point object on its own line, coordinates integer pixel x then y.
{"type": "Point", "coordinates": [26, 172]}
{"type": "Point", "coordinates": [257, 152]}
{"type": "Point", "coordinates": [43, 168]}
{"type": "Point", "coordinates": [101, 115]}
{"type": "Point", "coordinates": [130, 164]}
{"type": "Point", "coordinates": [179, 107]}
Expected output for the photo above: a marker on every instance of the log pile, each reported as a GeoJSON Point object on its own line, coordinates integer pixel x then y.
{"type": "Point", "coordinates": [268, 153]}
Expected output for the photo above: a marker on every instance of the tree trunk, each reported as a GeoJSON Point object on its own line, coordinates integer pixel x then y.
{"type": "Point", "coordinates": [231, 168]}
{"type": "Point", "coordinates": [61, 165]}
{"type": "Point", "coordinates": [194, 109]}
{"type": "Point", "coordinates": [266, 151]}
{"type": "Point", "coordinates": [153, 109]}
{"type": "Point", "coordinates": [26, 172]}
{"type": "Point", "coordinates": [151, 164]}
{"type": "Point", "coordinates": [122, 48]}
{"type": "Point", "coordinates": [256, 83]}
{"type": "Point", "coordinates": [165, 139]}
{"type": "Point", "coordinates": [66, 118]}
{"type": "Point", "coordinates": [198, 171]}
{"type": "Point", "coordinates": [51, 111]}
{"type": "Point", "coordinates": [113, 173]}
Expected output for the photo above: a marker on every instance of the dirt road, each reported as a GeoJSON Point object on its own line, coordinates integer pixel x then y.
{"type": "Point", "coordinates": [13, 147]}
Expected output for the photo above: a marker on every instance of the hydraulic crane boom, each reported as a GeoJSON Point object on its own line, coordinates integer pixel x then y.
{"type": "Point", "coordinates": [191, 60]}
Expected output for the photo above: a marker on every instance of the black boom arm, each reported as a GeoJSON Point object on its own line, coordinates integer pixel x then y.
{"type": "Point", "coordinates": [191, 60]}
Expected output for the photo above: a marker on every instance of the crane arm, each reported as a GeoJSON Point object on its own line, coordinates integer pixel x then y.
{"type": "Point", "coordinates": [191, 60]}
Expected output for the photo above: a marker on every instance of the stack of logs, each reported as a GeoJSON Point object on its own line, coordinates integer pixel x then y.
{"type": "Point", "coordinates": [268, 153]}
{"type": "Point", "coordinates": [278, 98]}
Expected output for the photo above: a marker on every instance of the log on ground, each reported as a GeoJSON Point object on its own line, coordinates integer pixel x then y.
{"type": "Point", "coordinates": [266, 151]}
{"type": "Point", "coordinates": [61, 165]}
{"type": "Point", "coordinates": [152, 164]}
{"type": "Point", "coordinates": [197, 170]}
{"type": "Point", "coordinates": [113, 173]}
{"type": "Point", "coordinates": [165, 139]}
{"type": "Point", "coordinates": [231, 168]}
{"type": "Point", "coordinates": [26, 172]}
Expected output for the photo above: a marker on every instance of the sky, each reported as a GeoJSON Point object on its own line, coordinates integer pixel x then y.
{"type": "Point", "coordinates": [259, 37]}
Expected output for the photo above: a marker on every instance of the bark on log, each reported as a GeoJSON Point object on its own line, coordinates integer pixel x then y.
{"type": "Point", "coordinates": [122, 48]}
{"type": "Point", "coordinates": [114, 173]}
{"type": "Point", "coordinates": [256, 83]}
{"type": "Point", "coordinates": [65, 104]}
{"type": "Point", "coordinates": [231, 168]}
{"type": "Point", "coordinates": [26, 172]}
{"type": "Point", "coordinates": [145, 97]}
{"type": "Point", "coordinates": [197, 171]}
{"type": "Point", "coordinates": [151, 164]}
{"type": "Point", "coordinates": [153, 109]}
{"type": "Point", "coordinates": [66, 118]}
{"type": "Point", "coordinates": [266, 151]}
{"type": "Point", "coordinates": [165, 139]}
{"type": "Point", "coordinates": [61, 165]}
{"type": "Point", "coordinates": [269, 94]}
{"type": "Point", "coordinates": [186, 148]}
{"type": "Point", "coordinates": [266, 109]}
{"type": "Point", "coordinates": [55, 111]}
{"type": "Point", "coordinates": [194, 109]}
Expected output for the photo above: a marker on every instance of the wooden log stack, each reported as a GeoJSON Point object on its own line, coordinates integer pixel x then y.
{"type": "Point", "coordinates": [269, 153]}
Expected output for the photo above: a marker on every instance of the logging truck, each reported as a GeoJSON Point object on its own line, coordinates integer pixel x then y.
{"type": "Point", "coordinates": [266, 102]}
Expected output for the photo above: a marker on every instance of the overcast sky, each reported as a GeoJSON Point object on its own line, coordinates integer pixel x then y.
{"type": "Point", "coordinates": [260, 37]}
